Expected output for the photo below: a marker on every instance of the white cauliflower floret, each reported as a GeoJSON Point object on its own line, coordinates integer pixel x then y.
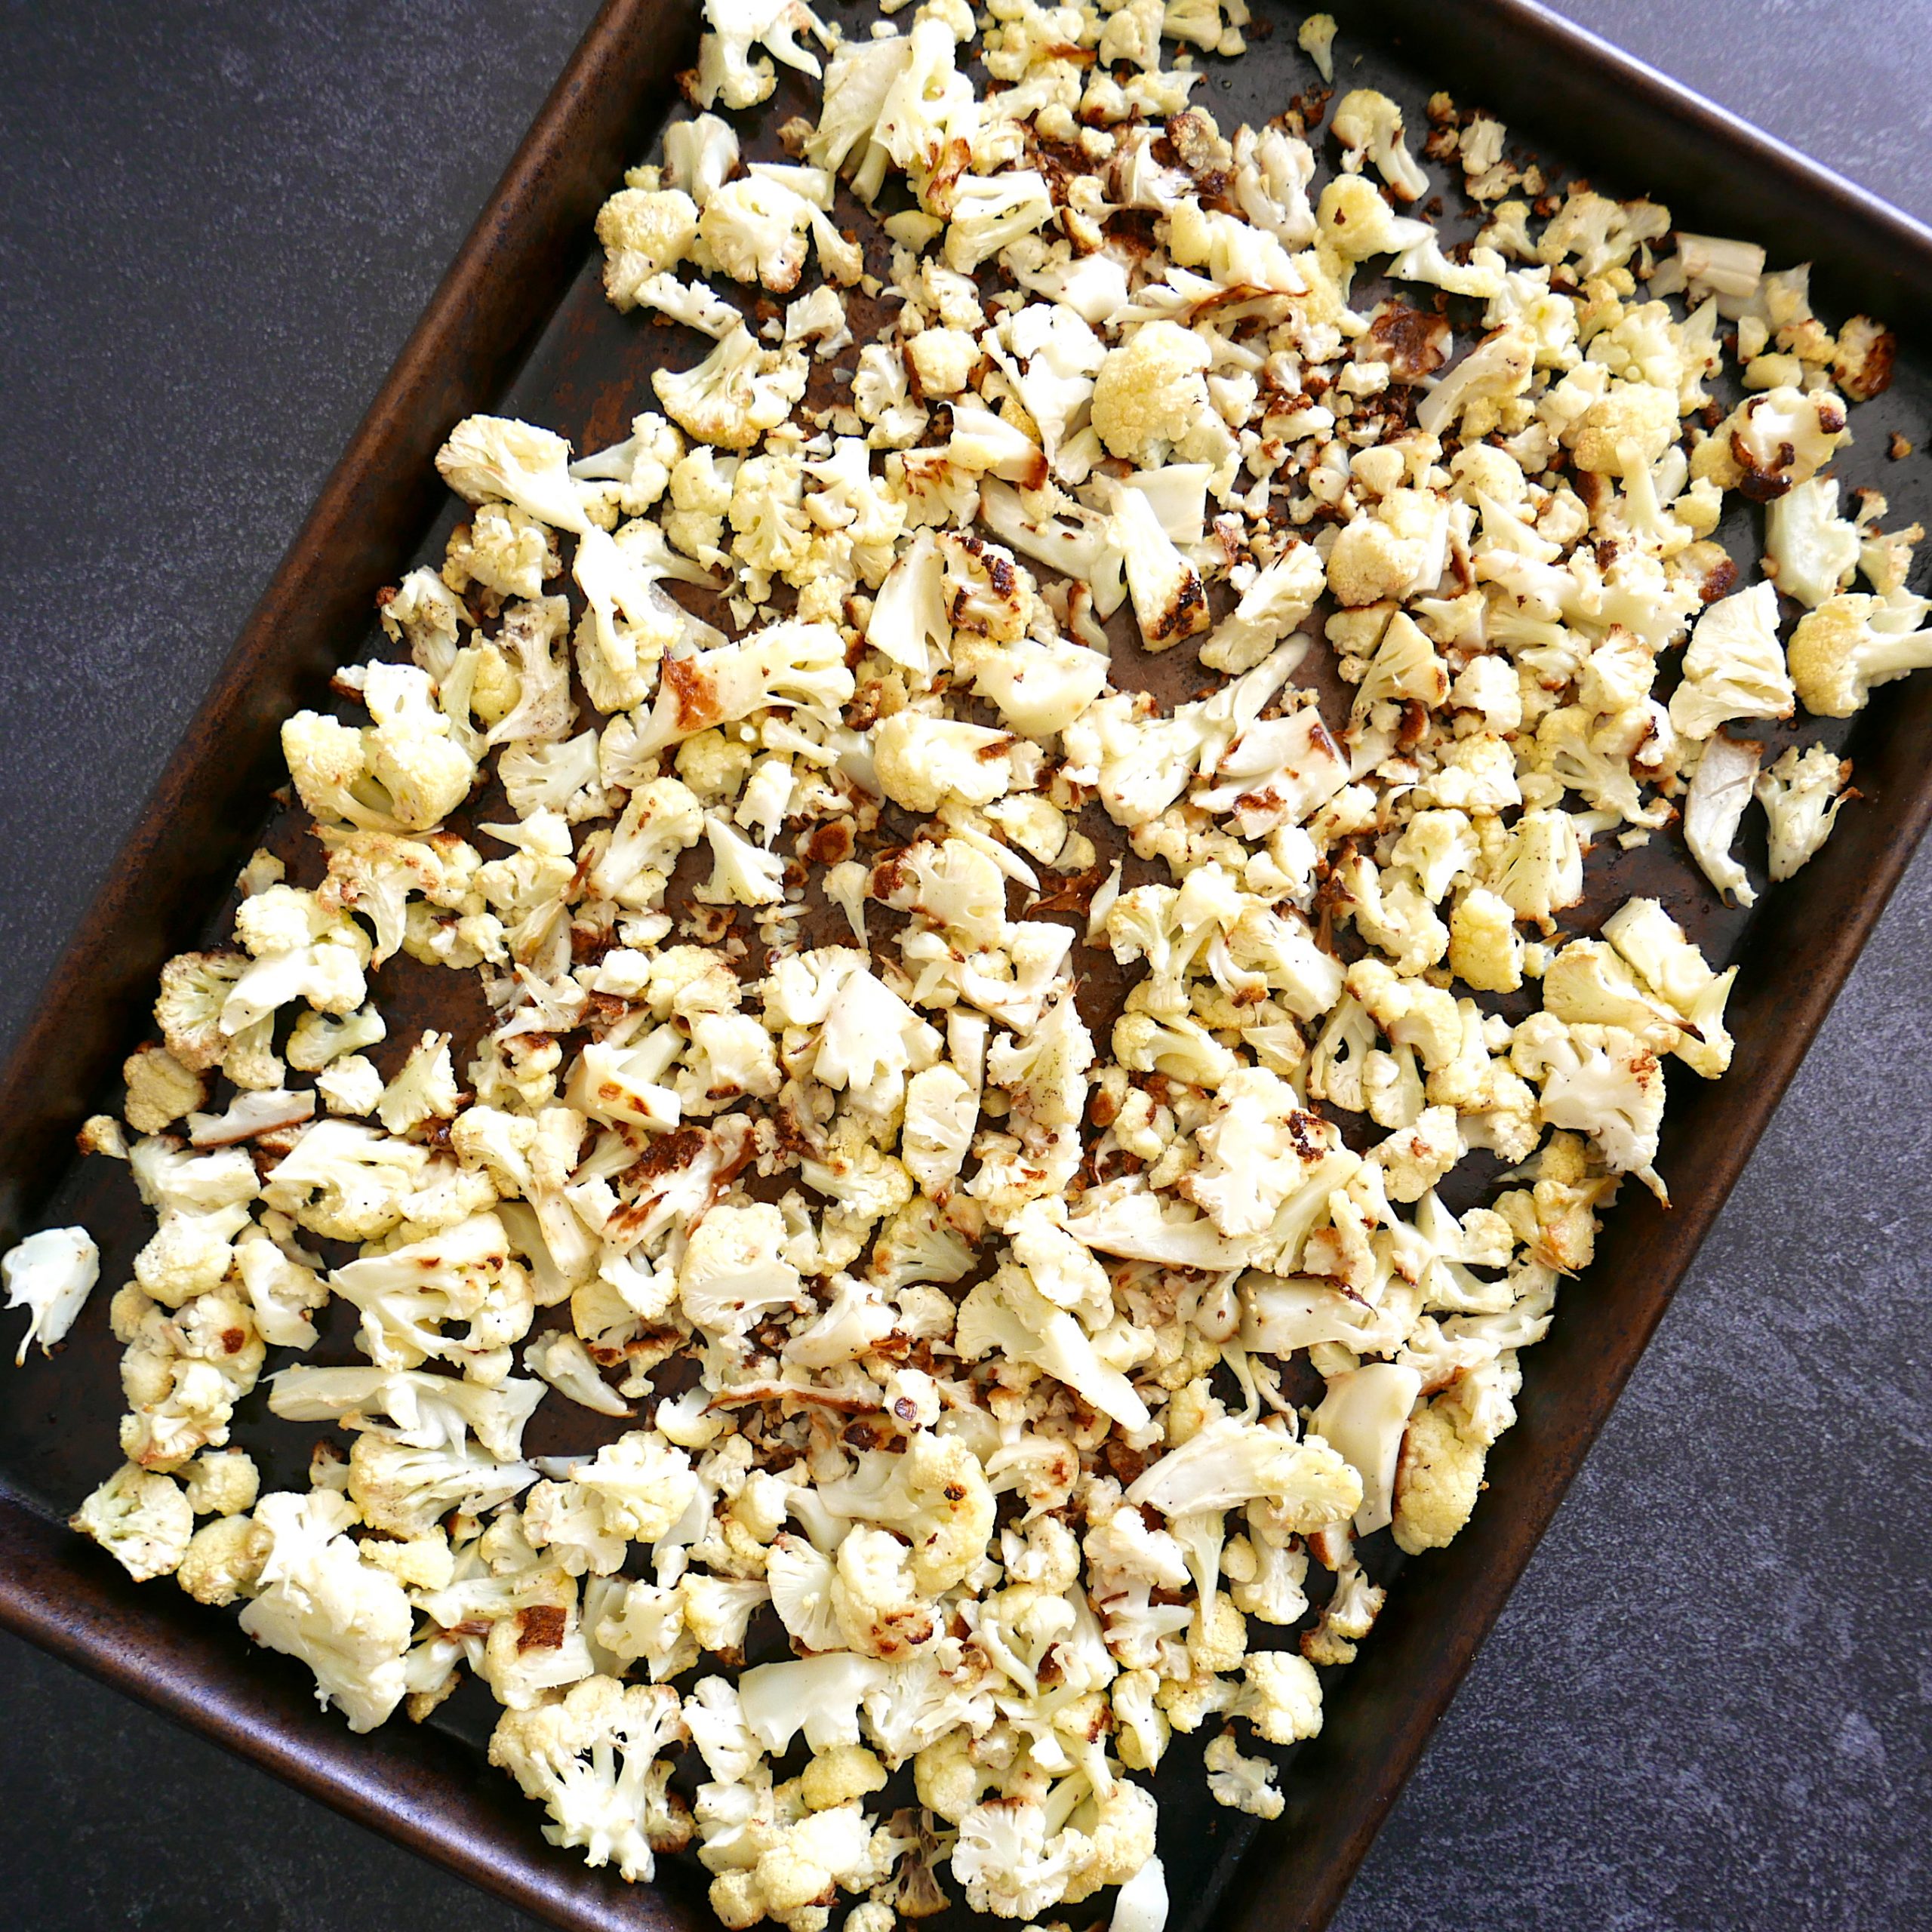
{"type": "Point", "coordinates": [403, 1490]}
{"type": "Point", "coordinates": [1281, 596]}
{"type": "Point", "coordinates": [1782, 439]}
{"type": "Point", "coordinates": [1813, 549]}
{"type": "Point", "coordinates": [1653, 944]}
{"type": "Point", "coordinates": [1257, 1147]}
{"type": "Point", "coordinates": [347, 1619]}
{"type": "Point", "coordinates": [424, 1087]}
{"type": "Point", "coordinates": [301, 951]}
{"type": "Point", "coordinates": [1230, 1462]}
{"type": "Point", "coordinates": [1437, 1478]}
{"type": "Point", "coordinates": [1801, 795]}
{"type": "Point", "coordinates": [224, 1561]}
{"type": "Point", "coordinates": [1169, 604]}
{"type": "Point", "coordinates": [645, 232]}
{"type": "Point", "coordinates": [793, 663]}
{"type": "Point", "coordinates": [989, 213]}
{"type": "Point", "coordinates": [1720, 789]}
{"type": "Point", "coordinates": [1543, 873]}
{"type": "Point", "coordinates": [1242, 1783]}
{"type": "Point", "coordinates": [733, 1272]}
{"type": "Point", "coordinates": [1369, 126]}
{"type": "Point", "coordinates": [222, 1482]}
{"type": "Point", "coordinates": [1009, 1317]}
{"type": "Point", "coordinates": [596, 1761]}
{"type": "Point", "coordinates": [1007, 1863]}
{"type": "Point", "coordinates": [424, 611]}
{"type": "Point", "coordinates": [1485, 949]}
{"type": "Point", "coordinates": [735, 394]}
{"type": "Point", "coordinates": [1850, 643]}
{"type": "Point", "coordinates": [1362, 1417]}
{"type": "Point", "coordinates": [142, 1519]}
{"type": "Point", "coordinates": [643, 1484]}
{"type": "Point", "coordinates": [182, 1372]}
{"type": "Point", "coordinates": [1599, 1081]}
{"type": "Point", "coordinates": [1498, 368]}
{"type": "Point", "coordinates": [489, 456]}
{"type": "Point", "coordinates": [920, 760]}
{"type": "Point", "coordinates": [728, 69]}
{"type": "Point", "coordinates": [1151, 396]}
{"type": "Point", "coordinates": [346, 1181]}
{"type": "Point", "coordinates": [1733, 667]}
{"type": "Point", "coordinates": [160, 1089]}
{"type": "Point", "coordinates": [51, 1274]}
{"type": "Point", "coordinates": [641, 465]}
{"type": "Point", "coordinates": [935, 1493]}
{"type": "Point", "coordinates": [755, 229]}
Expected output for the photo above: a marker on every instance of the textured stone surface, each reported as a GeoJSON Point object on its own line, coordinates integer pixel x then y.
{"type": "Point", "coordinates": [1706, 1705]}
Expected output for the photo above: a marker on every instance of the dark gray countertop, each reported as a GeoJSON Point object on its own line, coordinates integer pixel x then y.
{"type": "Point", "coordinates": [1707, 1704]}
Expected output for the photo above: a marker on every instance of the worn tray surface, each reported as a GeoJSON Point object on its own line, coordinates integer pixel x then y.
{"type": "Point", "coordinates": [586, 374]}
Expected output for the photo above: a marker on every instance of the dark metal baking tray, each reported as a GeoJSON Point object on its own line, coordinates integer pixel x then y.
{"type": "Point", "coordinates": [519, 320]}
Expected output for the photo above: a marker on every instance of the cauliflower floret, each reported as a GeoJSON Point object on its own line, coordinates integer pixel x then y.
{"type": "Point", "coordinates": [1241, 1783]}
{"type": "Point", "coordinates": [1733, 667]}
{"type": "Point", "coordinates": [1169, 604]}
{"type": "Point", "coordinates": [1437, 1478]}
{"type": "Point", "coordinates": [223, 1561]}
{"type": "Point", "coordinates": [424, 1087]}
{"type": "Point", "coordinates": [733, 1272]}
{"type": "Point", "coordinates": [1801, 795]}
{"type": "Point", "coordinates": [1850, 643]}
{"type": "Point", "coordinates": [920, 760]}
{"type": "Point", "coordinates": [1632, 425]}
{"type": "Point", "coordinates": [222, 1482]}
{"type": "Point", "coordinates": [160, 1089]}
{"type": "Point", "coordinates": [1230, 1461]}
{"type": "Point", "coordinates": [1720, 789]}
{"type": "Point", "coordinates": [735, 394]}
{"type": "Point", "coordinates": [1498, 368]}
{"type": "Point", "coordinates": [1414, 1159]}
{"type": "Point", "coordinates": [1779, 439]}
{"type": "Point", "coordinates": [1600, 1080]}
{"type": "Point", "coordinates": [1543, 872]}
{"type": "Point", "coordinates": [755, 229]}
{"type": "Point", "coordinates": [504, 549]}
{"type": "Point", "coordinates": [347, 1182]}
{"type": "Point", "coordinates": [935, 1493]}
{"type": "Point", "coordinates": [1362, 1417]}
{"type": "Point", "coordinates": [51, 1274]}
{"type": "Point", "coordinates": [943, 360]}
{"type": "Point", "coordinates": [183, 1373]}
{"type": "Point", "coordinates": [1653, 944]}
{"type": "Point", "coordinates": [1369, 126]}
{"type": "Point", "coordinates": [595, 1761]}
{"type": "Point", "coordinates": [794, 663]}
{"type": "Point", "coordinates": [143, 1520]}
{"type": "Point", "coordinates": [1150, 395]}
{"type": "Point", "coordinates": [348, 1620]}
{"type": "Point", "coordinates": [1485, 949]}
{"type": "Point", "coordinates": [645, 232]}
{"type": "Point", "coordinates": [727, 69]}
{"type": "Point", "coordinates": [1006, 1860]}
{"type": "Point", "coordinates": [1813, 549]}
{"type": "Point", "coordinates": [489, 456]}
{"type": "Point", "coordinates": [1316, 38]}
{"type": "Point", "coordinates": [1009, 1317]}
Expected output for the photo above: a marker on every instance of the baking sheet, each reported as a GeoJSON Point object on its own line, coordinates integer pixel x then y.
{"type": "Point", "coordinates": [585, 373]}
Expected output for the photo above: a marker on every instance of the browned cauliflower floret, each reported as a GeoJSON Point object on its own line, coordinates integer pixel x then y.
{"type": "Point", "coordinates": [1437, 1479]}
